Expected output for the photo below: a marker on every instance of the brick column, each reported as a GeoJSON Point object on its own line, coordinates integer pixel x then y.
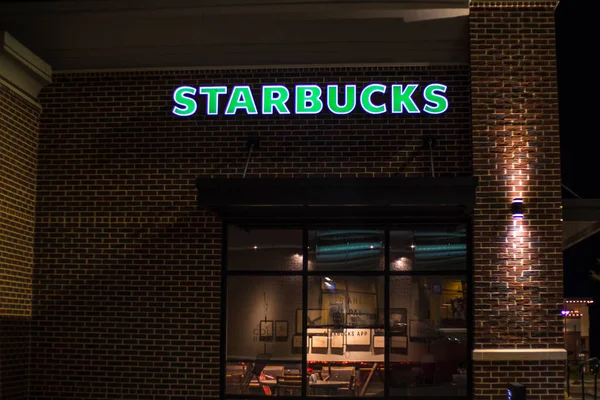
{"type": "Point", "coordinates": [21, 78]}
{"type": "Point", "coordinates": [518, 280]}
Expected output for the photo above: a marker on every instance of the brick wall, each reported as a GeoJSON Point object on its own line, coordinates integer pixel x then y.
{"type": "Point", "coordinates": [18, 152]}
{"type": "Point", "coordinates": [518, 265]}
{"type": "Point", "coordinates": [540, 377]}
{"type": "Point", "coordinates": [128, 269]}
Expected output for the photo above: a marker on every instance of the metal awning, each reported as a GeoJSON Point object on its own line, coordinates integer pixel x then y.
{"type": "Point", "coordinates": [338, 198]}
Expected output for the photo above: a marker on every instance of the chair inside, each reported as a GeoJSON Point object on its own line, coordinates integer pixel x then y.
{"type": "Point", "coordinates": [290, 385]}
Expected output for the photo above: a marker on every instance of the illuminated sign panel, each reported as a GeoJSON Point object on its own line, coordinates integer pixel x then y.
{"type": "Point", "coordinates": [375, 98]}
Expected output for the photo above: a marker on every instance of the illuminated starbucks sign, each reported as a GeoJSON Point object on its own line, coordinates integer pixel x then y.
{"type": "Point", "coordinates": [375, 98]}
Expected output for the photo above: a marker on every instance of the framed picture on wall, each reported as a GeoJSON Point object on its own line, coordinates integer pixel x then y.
{"type": "Point", "coordinates": [361, 320]}
{"type": "Point", "coordinates": [337, 339]}
{"type": "Point", "coordinates": [399, 345]}
{"type": "Point", "coordinates": [281, 331]}
{"type": "Point", "coordinates": [297, 344]}
{"type": "Point", "coordinates": [266, 331]}
{"type": "Point", "coordinates": [378, 343]}
{"type": "Point", "coordinates": [319, 342]}
{"type": "Point", "coordinates": [358, 337]}
{"type": "Point", "coordinates": [399, 321]}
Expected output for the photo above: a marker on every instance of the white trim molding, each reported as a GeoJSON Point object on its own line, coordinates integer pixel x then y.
{"type": "Point", "coordinates": [21, 68]}
{"type": "Point", "coordinates": [519, 354]}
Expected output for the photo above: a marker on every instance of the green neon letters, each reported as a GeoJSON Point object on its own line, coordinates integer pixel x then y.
{"type": "Point", "coordinates": [431, 96]}
{"type": "Point", "coordinates": [241, 98]}
{"type": "Point", "coordinates": [367, 103]}
{"type": "Point", "coordinates": [308, 99]}
{"type": "Point", "coordinates": [333, 102]}
{"type": "Point", "coordinates": [275, 97]}
{"type": "Point", "coordinates": [186, 106]}
{"type": "Point", "coordinates": [374, 98]}
{"type": "Point", "coordinates": [212, 101]}
{"type": "Point", "coordinates": [402, 99]}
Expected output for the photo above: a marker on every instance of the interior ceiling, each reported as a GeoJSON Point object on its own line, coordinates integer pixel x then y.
{"type": "Point", "coordinates": [186, 33]}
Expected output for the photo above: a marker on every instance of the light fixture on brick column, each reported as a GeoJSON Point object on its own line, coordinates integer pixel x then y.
{"type": "Point", "coordinates": [517, 208]}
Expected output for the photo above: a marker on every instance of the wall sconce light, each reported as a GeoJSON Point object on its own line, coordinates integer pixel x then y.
{"type": "Point", "coordinates": [517, 208]}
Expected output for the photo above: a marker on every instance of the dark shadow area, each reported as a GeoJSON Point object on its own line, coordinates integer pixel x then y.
{"type": "Point", "coordinates": [579, 159]}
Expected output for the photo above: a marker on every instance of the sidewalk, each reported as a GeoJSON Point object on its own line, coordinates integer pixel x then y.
{"type": "Point", "coordinates": [589, 390]}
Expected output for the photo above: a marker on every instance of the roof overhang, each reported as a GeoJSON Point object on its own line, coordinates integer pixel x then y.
{"type": "Point", "coordinates": [581, 219]}
{"type": "Point", "coordinates": [118, 34]}
{"type": "Point", "coordinates": [336, 199]}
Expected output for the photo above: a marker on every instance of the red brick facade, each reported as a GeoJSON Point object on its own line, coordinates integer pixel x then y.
{"type": "Point", "coordinates": [125, 300]}
{"type": "Point", "coordinates": [128, 276]}
{"type": "Point", "coordinates": [517, 265]}
{"type": "Point", "coordinates": [543, 379]}
{"type": "Point", "coordinates": [18, 153]}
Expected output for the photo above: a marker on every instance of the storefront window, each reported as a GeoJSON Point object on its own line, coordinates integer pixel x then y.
{"type": "Point", "coordinates": [428, 343]}
{"type": "Point", "coordinates": [264, 249]}
{"type": "Point", "coordinates": [346, 250]}
{"type": "Point", "coordinates": [260, 329]}
{"type": "Point", "coordinates": [337, 323]}
{"type": "Point", "coordinates": [346, 334]}
{"type": "Point", "coordinates": [442, 248]}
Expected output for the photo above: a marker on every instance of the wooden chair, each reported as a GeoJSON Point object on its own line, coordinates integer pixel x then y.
{"type": "Point", "coordinates": [346, 374]}
{"type": "Point", "coordinates": [250, 380]}
{"type": "Point", "coordinates": [234, 377]}
{"type": "Point", "coordinates": [289, 385]}
{"type": "Point", "coordinates": [349, 390]}
{"type": "Point", "coordinates": [274, 370]}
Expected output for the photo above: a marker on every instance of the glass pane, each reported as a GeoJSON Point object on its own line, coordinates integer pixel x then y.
{"type": "Point", "coordinates": [429, 249]}
{"type": "Point", "coordinates": [346, 250]}
{"type": "Point", "coordinates": [264, 378]}
{"type": "Point", "coordinates": [345, 340]}
{"type": "Point", "coordinates": [264, 249]}
{"type": "Point", "coordinates": [262, 346]}
{"type": "Point", "coordinates": [428, 343]}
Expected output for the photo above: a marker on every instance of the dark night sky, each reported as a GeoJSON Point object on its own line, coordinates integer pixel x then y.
{"type": "Point", "coordinates": [580, 158]}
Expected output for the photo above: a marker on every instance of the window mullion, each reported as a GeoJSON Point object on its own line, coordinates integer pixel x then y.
{"type": "Point", "coordinates": [386, 313]}
{"type": "Point", "coordinates": [304, 390]}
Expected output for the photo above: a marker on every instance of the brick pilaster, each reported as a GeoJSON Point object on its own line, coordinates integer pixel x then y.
{"type": "Point", "coordinates": [518, 264]}
{"type": "Point", "coordinates": [19, 120]}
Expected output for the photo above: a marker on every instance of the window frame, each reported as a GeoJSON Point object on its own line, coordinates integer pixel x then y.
{"type": "Point", "coordinates": [305, 274]}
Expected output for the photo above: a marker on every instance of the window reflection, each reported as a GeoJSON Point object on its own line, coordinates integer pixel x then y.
{"type": "Point", "coordinates": [346, 250]}
{"type": "Point", "coordinates": [261, 334]}
{"type": "Point", "coordinates": [345, 336]}
{"type": "Point", "coordinates": [442, 248]}
{"type": "Point", "coordinates": [428, 355]}
{"type": "Point", "coordinates": [345, 343]}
